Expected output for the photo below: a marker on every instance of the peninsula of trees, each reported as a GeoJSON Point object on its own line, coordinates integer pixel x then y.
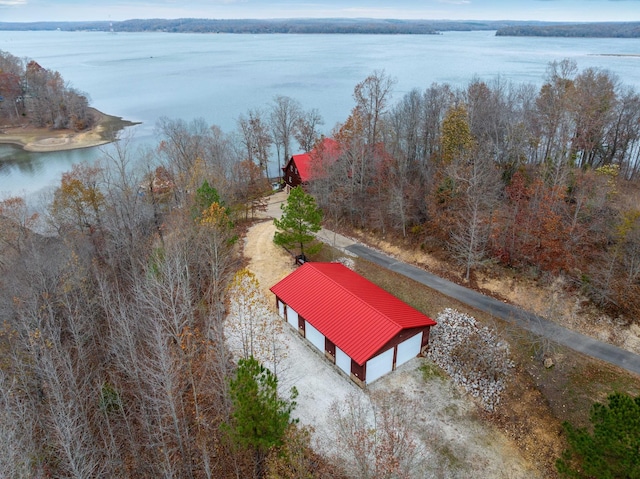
{"type": "Point", "coordinates": [30, 91]}
{"type": "Point", "coordinates": [586, 30]}
{"type": "Point", "coordinates": [41, 112]}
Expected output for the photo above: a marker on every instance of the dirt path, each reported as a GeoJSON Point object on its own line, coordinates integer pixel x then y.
{"type": "Point", "coordinates": [447, 424]}
{"type": "Point", "coordinates": [269, 263]}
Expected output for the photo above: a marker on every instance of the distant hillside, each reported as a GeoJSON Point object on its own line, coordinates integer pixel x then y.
{"type": "Point", "coordinates": [592, 30]}
{"type": "Point", "coordinates": [326, 25]}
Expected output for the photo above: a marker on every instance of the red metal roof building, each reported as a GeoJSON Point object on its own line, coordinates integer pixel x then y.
{"type": "Point", "coordinates": [301, 168]}
{"type": "Point", "coordinates": [366, 331]}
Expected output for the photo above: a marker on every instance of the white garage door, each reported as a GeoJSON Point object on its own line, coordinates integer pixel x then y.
{"type": "Point", "coordinates": [408, 349]}
{"type": "Point", "coordinates": [314, 336]}
{"type": "Point", "coordinates": [379, 366]}
{"type": "Point", "coordinates": [281, 309]}
{"type": "Point", "coordinates": [343, 361]}
{"type": "Point", "coordinates": [292, 317]}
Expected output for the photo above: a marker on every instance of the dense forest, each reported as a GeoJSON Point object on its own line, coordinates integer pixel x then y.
{"type": "Point", "coordinates": [33, 94]}
{"type": "Point", "coordinates": [114, 292]}
{"type": "Point", "coordinates": [297, 25]}
{"type": "Point", "coordinates": [112, 305]}
{"type": "Point", "coordinates": [112, 354]}
{"type": "Point", "coordinates": [584, 30]}
{"type": "Point", "coordinates": [542, 181]}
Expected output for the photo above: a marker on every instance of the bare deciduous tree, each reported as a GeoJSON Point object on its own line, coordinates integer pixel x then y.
{"type": "Point", "coordinates": [285, 115]}
{"type": "Point", "coordinates": [306, 130]}
{"type": "Point", "coordinates": [479, 185]}
{"type": "Point", "coordinates": [374, 437]}
{"type": "Point", "coordinates": [252, 328]}
{"type": "Point", "coordinates": [255, 138]}
{"type": "Point", "coordinates": [372, 96]}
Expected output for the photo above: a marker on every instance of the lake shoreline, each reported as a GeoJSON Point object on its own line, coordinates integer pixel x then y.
{"type": "Point", "coordinates": [45, 140]}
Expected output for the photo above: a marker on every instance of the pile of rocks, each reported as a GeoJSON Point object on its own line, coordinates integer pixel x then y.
{"type": "Point", "coordinates": [348, 262]}
{"type": "Point", "coordinates": [475, 357]}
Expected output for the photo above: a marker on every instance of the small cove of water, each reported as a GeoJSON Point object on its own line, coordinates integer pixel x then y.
{"type": "Point", "coordinates": [145, 76]}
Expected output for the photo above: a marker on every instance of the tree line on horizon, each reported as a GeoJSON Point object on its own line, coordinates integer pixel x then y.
{"type": "Point", "coordinates": [339, 26]}
{"type": "Point", "coordinates": [293, 25]}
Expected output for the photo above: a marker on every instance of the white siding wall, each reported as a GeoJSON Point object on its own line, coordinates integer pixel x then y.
{"type": "Point", "coordinates": [314, 336]}
{"type": "Point", "coordinates": [408, 349]}
{"type": "Point", "coordinates": [343, 361]}
{"type": "Point", "coordinates": [292, 317]}
{"type": "Point", "coordinates": [379, 366]}
{"type": "Point", "coordinates": [281, 309]}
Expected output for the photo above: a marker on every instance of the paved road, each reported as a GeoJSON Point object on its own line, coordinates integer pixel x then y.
{"type": "Point", "coordinates": [531, 322]}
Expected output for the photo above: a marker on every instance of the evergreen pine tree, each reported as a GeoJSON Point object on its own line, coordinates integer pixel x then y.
{"type": "Point", "coordinates": [613, 449]}
{"type": "Point", "coordinates": [206, 195]}
{"type": "Point", "coordinates": [260, 417]}
{"type": "Point", "coordinates": [301, 217]}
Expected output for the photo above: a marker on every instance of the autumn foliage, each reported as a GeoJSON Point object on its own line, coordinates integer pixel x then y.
{"type": "Point", "coordinates": [114, 352]}
{"type": "Point", "coordinates": [500, 173]}
{"type": "Point", "coordinates": [29, 92]}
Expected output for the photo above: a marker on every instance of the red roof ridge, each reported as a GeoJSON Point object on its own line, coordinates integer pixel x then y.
{"type": "Point", "coordinates": [352, 293]}
{"type": "Point", "coordinates": [310, 163]}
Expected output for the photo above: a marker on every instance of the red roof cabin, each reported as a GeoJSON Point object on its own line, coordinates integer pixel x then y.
{"type": "Point", "coordinates": [363, 329]}
{"type": "Point", "coordinates": [300, 169]}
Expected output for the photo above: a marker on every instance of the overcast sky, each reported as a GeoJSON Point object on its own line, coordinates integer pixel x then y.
{"type": "Point", "coordinates": [553, 10]}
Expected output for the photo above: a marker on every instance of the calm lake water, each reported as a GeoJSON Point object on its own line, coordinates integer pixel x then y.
{"type": "Point", "coordinates": [145, 76]}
